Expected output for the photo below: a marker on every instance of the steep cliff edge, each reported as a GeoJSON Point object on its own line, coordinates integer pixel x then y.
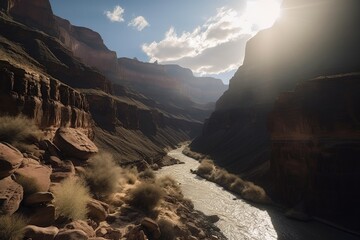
{"type": "Point", "coordinates": [315, 147]}
{"type": "Point", "coordinates": [40, 72]}
{"type": "Point", "coordinates": [312, 38]}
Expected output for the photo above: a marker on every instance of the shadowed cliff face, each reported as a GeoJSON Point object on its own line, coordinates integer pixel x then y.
{"type": "Point", "coordinates": [312, 38]}
{"type": "Point", "coordinates": [315, 147]}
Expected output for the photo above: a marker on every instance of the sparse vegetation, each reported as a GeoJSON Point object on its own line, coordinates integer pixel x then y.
{"type": "Point", "coordinates": [29, 185]}
{"type": "Point", "coordinates": [19, 131]}
{"type": "Point", "coordinates": [12, 227]}
{"type": "Point", "coordinates": [166, 229]}
{"type": "Point", "coordinates": [171, 186]}
{"type": "Point", "coordinates": [129, 175]}
{"type": "Point", "coordinates": [145, 196]}
{"type": "Point", "coordinates": [206, 167]}
{"type": "Point", "coordinates": [147, 174]}
{"type": "Point", "coordinates": [71, 198]}
{"type": "Point", "coordinates": [231, 182]}
{"type": "Point", "coordinates": [103, 174]}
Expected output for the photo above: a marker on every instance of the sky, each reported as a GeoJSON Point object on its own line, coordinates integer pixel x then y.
{"type": "Point", "coordinates": [207, 36]}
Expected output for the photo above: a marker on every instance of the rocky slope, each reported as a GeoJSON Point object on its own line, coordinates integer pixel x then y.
{"type": "Point", "coordinates": [312, 38]}
{"type": "Point", "coordinates": [42, 69]}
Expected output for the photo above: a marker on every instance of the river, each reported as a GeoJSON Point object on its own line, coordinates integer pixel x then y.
{"type": "Point", "coordinates": [238, 219]}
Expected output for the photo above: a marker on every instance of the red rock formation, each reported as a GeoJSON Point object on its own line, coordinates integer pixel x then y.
{"type": "Point", "coordinates": [87, 45]}
{"type": "Point", "coordinates": [315, 133]}
{"type": "Point", "coordinates": [48, 101]}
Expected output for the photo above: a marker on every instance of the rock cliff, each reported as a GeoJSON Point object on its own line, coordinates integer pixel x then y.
{"type": "Point", "coordinates": [315, 147]}
{"type": "Point", "coordinates": [42, 65]}
{"type": "Point", "coordinates": [312, 38]}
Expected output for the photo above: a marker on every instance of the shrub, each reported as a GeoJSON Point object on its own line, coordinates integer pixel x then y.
{"type": "Point", "coordinates": [102, 175]}
{"type": "Point", "coordinates": [129, 175]}
{"type": "Point", "coordinates": [145, 196]}
{"type": "Point", "coordinates": [168, 182]}
{"type": "Point", "coordinates": [19, 129]}
{"type": "Point", "coordinates": [12, 227]}
{"type": "Point", "coordinates": [206, 167]}
{"type": "Point", "coordinates": [254, 193]}
{"type": "Point", "coordinates": [166, 229]}
{"type": "Point", "coordinates": [29, 185]}
{"type": "Point", "coordinates": [147, 174]}
{"type": "Point", "coordinates": [71, 198]}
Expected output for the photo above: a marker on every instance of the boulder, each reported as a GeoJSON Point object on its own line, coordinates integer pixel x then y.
{"type": "Point", "coordinates": [97, 210]}
{"type": "Point", "coordinates": [81, 225]}
{"type": "Point", "coordinates": [38, 198]}
{"type": "Point", "coordinates": [39, 175]}
{"type": "Point", "coordinates": [73, 143]}
{"type": "Point", "coordinates": [39, 233]}
{"type": "Point", "coordinates": [71, 234]}
{"type": "Point", "coordinates": [11, 194]}
{"type": "Point", "coordinates": [42, 216]}
{"type": "Point", "coordinates": [108, 233]}
{"type": "Point", "coordinates": [10, 159]}
{"type": "Point", "coordinates": [152, 227]}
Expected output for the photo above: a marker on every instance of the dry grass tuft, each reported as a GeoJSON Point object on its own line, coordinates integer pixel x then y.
{"type": "Point", "coordinates": [145, 196]}
{"type": "Point", "coordinates": [206, 167]}
{"type": "Point", "coordinates": [147, 174]}
{"type": "Point", "coordinates": [71, 198]}
{"type": "Point", "coordinates": [19, 130]}
{"type": "Point", "coordinates": [12, 227]}
{"type": "Point", "coordinates": [103, 174]}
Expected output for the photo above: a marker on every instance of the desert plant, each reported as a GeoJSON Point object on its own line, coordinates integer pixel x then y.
{"type": "Point", "coordinates": [29, 185]}
{"type": "Point", "coordinates": [129, 175]}
{"type": "Point", "coordinates": [19, 129]}
{"type": "Point", "coordinates": [254, 193]}
{"type": "Point", "coordinates": [168, 182]}
{"type": "Point", "coordinates": [147, 174]}
{"type": "Point", "coordinates": [145, 196]}
{"type": "Point", "coordinates": [12, 227]}
{"type": "Point", "coordinates": [71, 198]}
{"type": "Point", "coordinates": [102, 175]}
{"type": "Point", "coordinates": [166, 229]}
{"type": "Point", "coordinates": [206, 167]}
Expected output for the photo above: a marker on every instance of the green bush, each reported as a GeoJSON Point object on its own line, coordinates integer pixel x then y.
{"type": "Point", "coordinates": [102, 175]}
{"type": "Point", "coordinates": [206, 167]}
{"type": "Point", "coordinates": [71, 198]}
{"type": "Point", "coordinates": [12, 227]}
{"type": "Point", "coordinates": [19, 129]}
{"type": "Point", "coordinates": [145, 196]}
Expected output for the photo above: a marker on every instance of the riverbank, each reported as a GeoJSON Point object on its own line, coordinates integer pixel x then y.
{"type": "Point", "coordinates": [239, 219]}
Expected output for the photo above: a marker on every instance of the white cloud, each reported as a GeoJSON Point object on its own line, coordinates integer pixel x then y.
{"type": "Point", "coordinates": [139, 23]}
{"type": "Point", "coordinates": [213, 48]}
{"type": "Point", "coordinates": [116, 15]}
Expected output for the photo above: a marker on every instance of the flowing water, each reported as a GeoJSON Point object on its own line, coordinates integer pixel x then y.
{"type": "Point", "coordinates": [238, 219]}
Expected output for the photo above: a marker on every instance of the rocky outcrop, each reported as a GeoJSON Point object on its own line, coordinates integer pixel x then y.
{"type": "Point", "coordinates": [87, 45]}
{"type": "Point", "coordinates": [33, 13]}
{"type": "Point", "coordinates": [10, 160]}
{"type": "Point", "coordinates": [312, 38]}
{"type": "Point", "coordinates": [74, 143]}
{"type": "Point", "coordinates": [35, 232]}
{"type": "Point", "coordinates": [315, 133]}
{"type": "Point", "coordinates": [11, 194]}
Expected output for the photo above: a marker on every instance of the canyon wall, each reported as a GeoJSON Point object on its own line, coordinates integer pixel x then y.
{"type": "Point", "coordinates": [310, 135]}
{"type": "Point", "coordinates": [315, 147]}
{"type": "Point", "coordinates": [312, 38]}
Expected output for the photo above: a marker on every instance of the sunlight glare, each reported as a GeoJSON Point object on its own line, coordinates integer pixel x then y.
{"type": "Point", "coordinates": [262, 13]}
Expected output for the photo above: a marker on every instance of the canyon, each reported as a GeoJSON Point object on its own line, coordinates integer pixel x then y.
{"type": "Point", "coordinates": [274, 124]}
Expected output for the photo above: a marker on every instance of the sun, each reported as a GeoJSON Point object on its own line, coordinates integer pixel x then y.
{"type": "Point", "coordinates": [262, 13]}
